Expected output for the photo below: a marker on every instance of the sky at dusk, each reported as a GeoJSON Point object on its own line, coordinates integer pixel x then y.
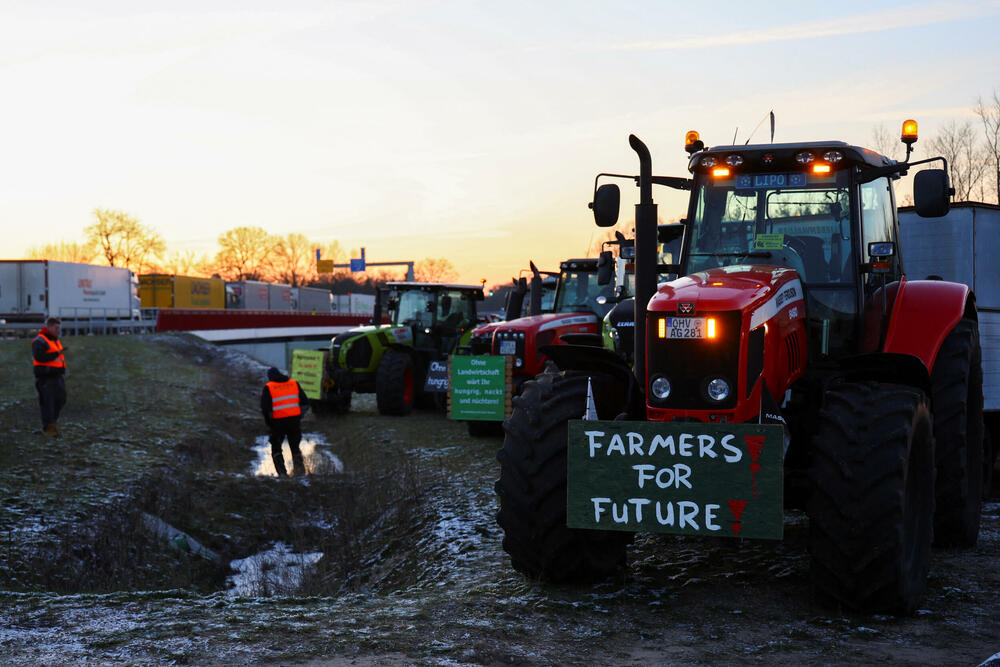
{"type": "Point", "coordinates": [466, 130]}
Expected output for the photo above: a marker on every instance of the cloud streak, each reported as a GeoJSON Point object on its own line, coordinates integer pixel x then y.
{"type": "Point", "coordinates": [906, 16]}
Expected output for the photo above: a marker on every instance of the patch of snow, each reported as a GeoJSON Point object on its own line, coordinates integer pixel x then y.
{"type": "Point", "coordinates": [275, 571]}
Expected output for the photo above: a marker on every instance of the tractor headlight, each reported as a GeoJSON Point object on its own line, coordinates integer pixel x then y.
{"type": "Point", "coordinates": [717, 390]}
{"type": "Point", "coordinates": [660, 388]}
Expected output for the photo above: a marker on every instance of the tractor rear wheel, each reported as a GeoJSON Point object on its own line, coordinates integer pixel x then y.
{"type": "Point", "coordinates": [532, 486]}
{"type": "Point", "coordinates": [395, 383]}
{"type": "Point", "coordinates": [957, 395]}
{"type": "Point", "coordinates": [872, 503]}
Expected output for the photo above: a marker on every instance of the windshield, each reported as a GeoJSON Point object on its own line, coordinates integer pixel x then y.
{"type": "Point", "coordinates": [801, 221]}
{"type": "Point", "coordinates": [578, 292]}
{"type": "Point", "coordinates": [414, 308]}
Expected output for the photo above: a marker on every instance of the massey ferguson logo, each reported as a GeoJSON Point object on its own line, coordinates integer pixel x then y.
{"type": "Point", "coordinates": [685, 308]}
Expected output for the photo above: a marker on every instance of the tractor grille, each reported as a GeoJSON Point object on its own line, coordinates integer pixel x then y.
{"type": "Point", "coordinates": [690, 364]}
{"type": "Point", "coordinates": [792, 347]}
{"type": "Point", "coordinates": [510, 342]}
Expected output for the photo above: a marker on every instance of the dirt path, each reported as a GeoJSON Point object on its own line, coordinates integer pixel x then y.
{"type": "Point", "coordinates": [413, 571]}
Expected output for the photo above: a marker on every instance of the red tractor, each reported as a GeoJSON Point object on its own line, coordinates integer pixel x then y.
{"type": "Point", "coordinates": [575, 311]}
{"type": "Point", "coordinates": [793, 316]}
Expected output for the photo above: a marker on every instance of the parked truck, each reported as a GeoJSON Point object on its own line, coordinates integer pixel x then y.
{"type": "Point", "coordinates": [157, 290]}
{"type": "Point", "coordinates": [312, 299]}
{"type": "Point", "coordinates": [247, 295]}
{"type": "Point", "coordinates": [962, 247]}
{"type": "Point", "coordinates": [31, 290]}
{"type": "Point", "coordinates": [792, 363]}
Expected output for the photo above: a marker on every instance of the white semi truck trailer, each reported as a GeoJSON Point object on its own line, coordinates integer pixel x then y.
{"type": "Point", "coordinates": [33, 289]}
{"type": "Point", "coordinates": [963, 247]}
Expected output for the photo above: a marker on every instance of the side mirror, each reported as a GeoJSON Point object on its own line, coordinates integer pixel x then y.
{"type": "Point", "coordinates": [669, 232]}
{"type": "Point", "coordinates": [607, 200]}
{"type": "Point", "coordinates": [931, 193]}
{"type": "Point", "coordinates": [605, 267]}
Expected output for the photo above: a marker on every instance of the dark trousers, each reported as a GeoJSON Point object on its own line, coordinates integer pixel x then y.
{"type": "Point", "coordinates": [51, 397]}
{"type": "Point", "coordinates": [291, 428]}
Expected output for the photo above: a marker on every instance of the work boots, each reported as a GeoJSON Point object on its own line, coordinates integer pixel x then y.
{"type": "Point", "coordinates": [279, 465]}
{"type": "Point", "coordinates": [50, 429]}
{"type": "Point", "coordinates": [298, 467]}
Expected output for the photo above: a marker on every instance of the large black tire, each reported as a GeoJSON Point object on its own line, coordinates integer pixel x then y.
{"type": "Point", "coordinates": [872, 503]}
{"type": "Point", "coordinates": [532, 486]}
{"type": "Point", "coordinates": [395, 383]}
{"type": "Point", "coordinates": [957, 397]}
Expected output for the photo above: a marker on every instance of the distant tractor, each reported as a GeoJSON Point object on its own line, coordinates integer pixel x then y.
{"type": "Point", "coordinates": [577, 310]}
{"type": "Point", "coordinates": [792, 316]}
{"type": "Point", "coordinates": [427, 321]}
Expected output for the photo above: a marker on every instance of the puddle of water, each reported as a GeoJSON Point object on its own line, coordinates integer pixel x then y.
{"type": "Point", "coordinates": [276, 571]}
{"type": "Point", "coordinates": [316, 456]}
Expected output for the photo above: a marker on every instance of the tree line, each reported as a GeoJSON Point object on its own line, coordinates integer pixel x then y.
{"type": "Point", "coordinates": [117, 238]}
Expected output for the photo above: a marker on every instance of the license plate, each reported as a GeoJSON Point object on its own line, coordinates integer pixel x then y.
{"type": "Point", "coordinates": [685, 327]}
{"type": "Point", "coordinates": [508, 347]}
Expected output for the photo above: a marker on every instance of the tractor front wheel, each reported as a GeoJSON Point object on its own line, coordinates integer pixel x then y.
{"type": "Point", "coordinates": [872, 503]}
{"type": "Point", "coordinates": [532, 486]}
{"type": "Point", "coordinates": [395, 383]}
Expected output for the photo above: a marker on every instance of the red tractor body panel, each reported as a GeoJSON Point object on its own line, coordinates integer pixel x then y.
{"type": "Point", "coordinates": [523, 336]}
{"type": "Point", "coordinates": [925, 312]}
{"type": "Point", "coordinates": [767, 297]}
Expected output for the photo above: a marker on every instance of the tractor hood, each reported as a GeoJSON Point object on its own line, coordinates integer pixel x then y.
{"type": "Point", "coordinates": [754, 288]}
{"type": "Point", "coordinates": [539, 323]}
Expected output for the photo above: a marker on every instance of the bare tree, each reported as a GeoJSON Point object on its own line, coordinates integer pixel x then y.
{"type": "Point", "coordinates": [124, 241]}
{"type": "Point", "coordinates": [885, 142]}
{"type": "Point", "coordinates": [80, 253]}
{"type": "Point", "coordinates": [245, 253]}
{"type": "Point", "coordinates": [966, 159]}
{"type": "Point", "coordinates": [294, 260]}
{"type": "Point", "coordinates": [989, 113]}
{"type": "Point", "coordinates": [185, 263]}
{"type": "Point", "coordinates": [438, 270]}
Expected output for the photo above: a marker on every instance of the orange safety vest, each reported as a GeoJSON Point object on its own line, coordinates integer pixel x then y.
{"type": "Point", "coordinates": [284, 399]}
{"type": "Point", "coordinates": [54, 346]}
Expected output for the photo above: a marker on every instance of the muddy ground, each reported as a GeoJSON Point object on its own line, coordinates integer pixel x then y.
{"type": "Point", "coordinates": [402, 510]}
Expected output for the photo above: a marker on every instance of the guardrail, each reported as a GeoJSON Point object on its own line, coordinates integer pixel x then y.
{"type": "Point", "coordinates": [87, 321]}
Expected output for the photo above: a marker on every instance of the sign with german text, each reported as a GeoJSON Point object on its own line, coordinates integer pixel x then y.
{"type": "Point", "coordinates": [478, 387]}
{"type": "Point", "coordinates": [689, 478]}
{"type": "Point", "coordinates": [307, 370]}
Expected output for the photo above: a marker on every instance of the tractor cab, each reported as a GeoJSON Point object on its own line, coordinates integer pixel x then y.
{"type": "Point", "coordinates": [816, 208]}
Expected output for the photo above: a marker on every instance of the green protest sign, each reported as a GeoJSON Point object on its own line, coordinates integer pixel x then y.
{"type": "Point", "coordinates": [768, 241]}
{"type": "Point", "coordinates": [478, 387]}
{"type": "Point", "coordinates": [688, 478]}
{"type": "Point", "coordinates": [307, 370]}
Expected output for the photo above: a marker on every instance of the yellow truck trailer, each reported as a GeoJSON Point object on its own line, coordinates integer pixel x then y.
{"type": "Point", "coordinates": [167, 291]}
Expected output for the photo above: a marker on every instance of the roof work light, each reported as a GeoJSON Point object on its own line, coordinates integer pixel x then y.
{"type": "Point", "coordinates": [693, 142]}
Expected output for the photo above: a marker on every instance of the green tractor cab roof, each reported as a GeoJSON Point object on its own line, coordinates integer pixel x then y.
{"type": "Point", "coordinates": [477, 290]}
{"type": "Point", "coordinates": [585, 264]}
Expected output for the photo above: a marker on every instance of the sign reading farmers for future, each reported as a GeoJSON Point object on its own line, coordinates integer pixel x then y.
{"type": "Point", "coordinates": [478, 387]}
{"type": "Point", "coordinates": [307, 370]}
{"type": "Point", "coordinates": [676, 477]}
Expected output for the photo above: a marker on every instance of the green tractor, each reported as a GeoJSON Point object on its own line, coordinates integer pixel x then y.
{"type": "Point", "coordinates": [427, 321]}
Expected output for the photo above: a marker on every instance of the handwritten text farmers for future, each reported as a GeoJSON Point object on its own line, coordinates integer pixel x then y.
{"type": "Point", "coordinates": [648, 477]}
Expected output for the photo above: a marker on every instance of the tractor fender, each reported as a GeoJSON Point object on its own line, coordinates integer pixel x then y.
{"type": "Point", "coordinates": [925, 311]}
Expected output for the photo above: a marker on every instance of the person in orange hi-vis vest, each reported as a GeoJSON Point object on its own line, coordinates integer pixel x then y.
{"type": "Point", "coordinates": [283, 403]}
{"type": "Point", "coordinates": [49, 358]}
